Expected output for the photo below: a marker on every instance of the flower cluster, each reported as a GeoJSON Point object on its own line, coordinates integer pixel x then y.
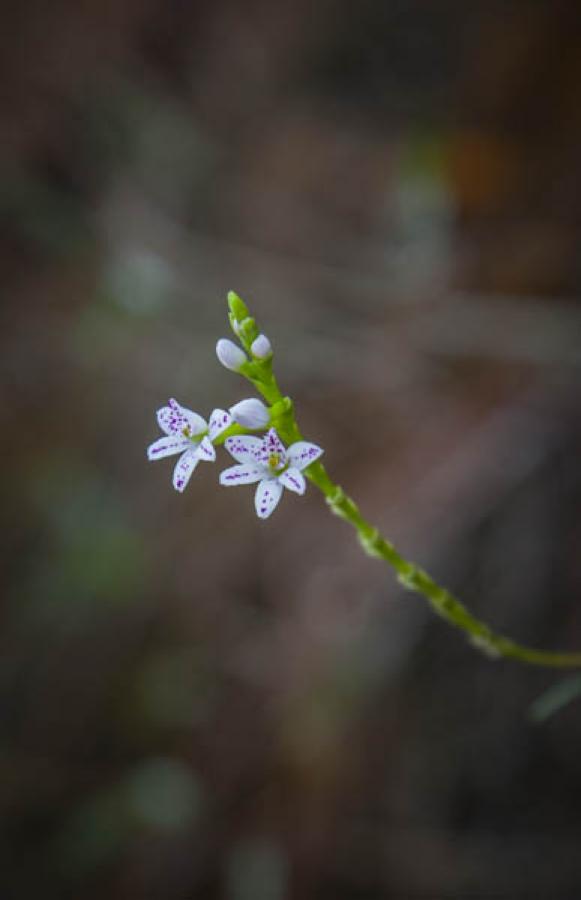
{"type": "Point", "coordinates": [261, 459]}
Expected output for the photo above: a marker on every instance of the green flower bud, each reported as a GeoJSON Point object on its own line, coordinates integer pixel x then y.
{"type": "Point", "coordinates": [247, 329]}
{"type": "Point", "coordinates": [237, 306]}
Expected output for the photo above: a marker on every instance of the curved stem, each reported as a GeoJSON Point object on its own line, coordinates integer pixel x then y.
{"type": "Point", "coordinates": [409, 575]}
{"type": "Point", "coordinates": [416, 579]}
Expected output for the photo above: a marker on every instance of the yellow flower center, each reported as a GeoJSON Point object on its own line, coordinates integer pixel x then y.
{"type": "Point", "coordinates": [274, 460]}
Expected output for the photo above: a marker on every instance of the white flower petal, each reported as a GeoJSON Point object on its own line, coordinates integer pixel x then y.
{"type": "Point", "coordinates": [244, 448]}
{"type": "Point", "coordinates": [251, 413]}
{"type": "Point", "coordinates": [231, 356]}
{"type": "Point", "coordinates": [220, 420]}
{"type": "Point", "coordinates": [184, 469]}
{"type": "Point", "coordinates": [205, 450]}
{"type": "Point", "coordinates": [197, 424]}
{"type": "Point", "coordinates": [268, 493]}
{"type": "Point", "coordinates": [173, 419]}
{"type": "Point", "coordinates": [261, 347]}
{"type": "Point", "coordinates": [246, 474]}
{"type": "Point", "coordinates": [168, 420]}
{"type": "Point", "coordinates": [272, 445]}
{"type": "Point", "coordinates": [302, 454]}
{"type": "Point", "coordinates": [166, 446]}
{"type": "Point", "coordinates": [293, 480]}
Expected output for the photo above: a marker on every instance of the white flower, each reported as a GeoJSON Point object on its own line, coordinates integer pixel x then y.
{"type": "Point", "coordinates": [231, 356]}
{"type": "Point", "coordinates": [261, 347]}
{"type": "Point", "coordinates": [189, 434]}
{"type": "Point", "coordinates": [267, 461]}
{"type": "Point", "coordinates": [250, 413]}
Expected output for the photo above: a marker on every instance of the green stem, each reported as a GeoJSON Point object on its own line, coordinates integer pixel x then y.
{"type": "Point", "coordinates": [409, 575]}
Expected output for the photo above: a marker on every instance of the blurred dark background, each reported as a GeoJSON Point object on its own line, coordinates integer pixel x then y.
{"type": "Point", "coordinates": [198, 705]}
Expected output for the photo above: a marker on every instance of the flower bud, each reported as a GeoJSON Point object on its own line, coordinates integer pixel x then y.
{"type": "Point", "coordinates": [250, 413]}
{"type": "Point", "coordinates": [237, 306]}
{"type": "Point", "coordinates": [231, 356]}
{"type": "Point", "coordinates": [247, 329]}
{"type": "Point", "coordinates": [261, 347]}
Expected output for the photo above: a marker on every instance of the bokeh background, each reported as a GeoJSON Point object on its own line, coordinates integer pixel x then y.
{"type": "Point", "coordinates": [195, 704]}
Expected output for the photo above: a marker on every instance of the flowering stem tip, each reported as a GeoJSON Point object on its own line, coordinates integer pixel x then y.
{"type": "Point", "coordinates": [280, 458]}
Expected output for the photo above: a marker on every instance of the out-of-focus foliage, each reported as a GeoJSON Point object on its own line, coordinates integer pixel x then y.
{"type": "Point", "coordinates": [197, 705]}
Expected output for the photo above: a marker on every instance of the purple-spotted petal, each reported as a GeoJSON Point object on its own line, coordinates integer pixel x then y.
{"type": "Point", "coordinates": [293, 480]}
{"type": "Point", "coordinates": [271, 445]}
{"type": "Point", "coordinates": [173, 419]}
{"type": "Point", "coordinates": [167, 446]}
{"type": "Point", "coordinates": [220, 420]}
{"type": "Point", "coordinates": [206, 450]}
{"type": "Point", "coordinates": [302, 454]}
{"type": "Point", "coordinates": [268, 493]}
{"type": "Point", "coordinates": [246, 474]}
{"type": "Point", "coordinates": [244, 448]}
{"type": "Point", "coordinates": [184, 469]}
